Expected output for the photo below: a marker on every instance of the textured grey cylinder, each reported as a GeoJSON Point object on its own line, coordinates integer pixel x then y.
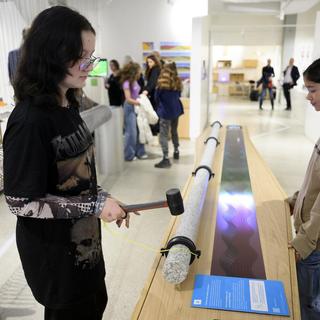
{"type": "Point", "coordinates": [109, 144]}
{"type": "Point", "coordinates": [176, 266]}
{"type": "Point", "coordinates": [96, 116]}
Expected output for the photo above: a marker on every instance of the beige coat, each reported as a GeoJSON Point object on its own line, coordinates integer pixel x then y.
{"type": "Point", "coordinates": [306, 208]}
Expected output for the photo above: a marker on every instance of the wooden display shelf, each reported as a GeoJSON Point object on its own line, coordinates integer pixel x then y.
{"type": "Point", "coordinates": [236, 77]}
{"type": "Point", "coordinates": [224, 63]}
{"type": "Point", "coordinates": [160, 300]}
{"type": "Point", "coordinates": [215, 89]}
{"type": "Point", "coordinates": [184, 120]}
{"type": "Point", "coordinates": [250, 63]}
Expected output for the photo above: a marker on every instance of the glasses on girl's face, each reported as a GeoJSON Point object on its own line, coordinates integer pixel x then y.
{"type": "Point", "coordinates": [86, 62]}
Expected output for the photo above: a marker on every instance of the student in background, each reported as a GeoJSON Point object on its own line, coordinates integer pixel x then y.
{"type": "Point", "coordinates": [129, 74]}
{"type": "Point", "coordinates": [50, 180]}
{"type": "Point", "coordinates": [13, 59]}
{"type": "Point", "coordinates": [169, 110]}
{"type": "Point", "coordinates": [305, 207]}
{"type": "Point", "coordinates": [152, 73]}
{"type": "Point", "coordinates": [266, 81]}
{"type": "Point", "coordinates": [291, 75]}
{"type": "Point", "coordinates": [126, 60]}
{"type": "Point", "coordinates": [112, 84]}
{"type": "Point", "coordinates": [158, 56]}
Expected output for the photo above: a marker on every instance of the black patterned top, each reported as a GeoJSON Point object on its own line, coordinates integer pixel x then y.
{"type": "Point", "coordinates": [50, 183]}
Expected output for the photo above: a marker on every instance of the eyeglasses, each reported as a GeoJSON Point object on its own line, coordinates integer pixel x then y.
{"type": "Point", "coordinates": [85, 62]}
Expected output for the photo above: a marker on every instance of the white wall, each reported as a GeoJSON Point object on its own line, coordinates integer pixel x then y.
{"type": "Point", "coordinates": [312, 118]}
{"type": "Point", "coordinates": [199, 76]}
{"type": "Point", "coordinates": [289, 36]}
{"type": "Point", "coordinates": [11, 26]}
{"type": "Point", "coordinates": [304, 41]}
{"type": "Point", "coordinates": [123, 25]}
{"type": "Point", "coordinates": [30, 8]}
{"type": "Point", "coordinates": [246, 30]}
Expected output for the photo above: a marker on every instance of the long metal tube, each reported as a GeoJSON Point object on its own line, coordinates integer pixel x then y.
{"type": "Point", "coordinates": [176, 266]}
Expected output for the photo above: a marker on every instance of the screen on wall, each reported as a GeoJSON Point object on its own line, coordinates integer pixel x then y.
{"type": "Point", "coordinates": [100, 70]}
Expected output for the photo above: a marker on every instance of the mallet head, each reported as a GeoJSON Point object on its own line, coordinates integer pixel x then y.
{"type": "Point", "coordinates": [175, 202]}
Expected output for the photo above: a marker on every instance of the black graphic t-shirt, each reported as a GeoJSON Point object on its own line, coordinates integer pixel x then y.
{"type": "Point", "coordinates": [50, 184]}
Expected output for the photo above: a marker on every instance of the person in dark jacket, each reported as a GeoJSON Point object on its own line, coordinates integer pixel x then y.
{"type": "Point", "coordinates": [169, 110]}
{"type": "Point", "coordinates": [115, 92]}
{"type": "Point", "coordinates": [13, 59]}
{"type": "Point", "coordinates": [152, 73]}
{"type": "Point", "coordinates": [266, 81]}
{"type": "Point", "coordinates": [291, 75]}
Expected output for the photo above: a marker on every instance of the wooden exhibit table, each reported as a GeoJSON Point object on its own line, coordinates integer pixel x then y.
{"type": "Point", "coordinates": [183, 126]}
{"type": "Point", "coordinates": [162, 300]}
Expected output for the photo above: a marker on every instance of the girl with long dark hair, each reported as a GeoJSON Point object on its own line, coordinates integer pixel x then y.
{"type": "Point", "coordinates": [112, 84]}
{"type": "Point", "coordinates": [50, 181]}
{"type": "Point", "coordinates": [153, 68]}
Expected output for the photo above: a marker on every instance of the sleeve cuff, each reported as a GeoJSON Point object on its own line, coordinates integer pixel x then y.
{"type": "Point", "coordinates": [302, 245]}
{"type": "Point", "coordinates": [101, 199]}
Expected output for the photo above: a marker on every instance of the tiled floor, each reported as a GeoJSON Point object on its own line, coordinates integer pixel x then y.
{"type": "Point", "coordinates": [129, 254]}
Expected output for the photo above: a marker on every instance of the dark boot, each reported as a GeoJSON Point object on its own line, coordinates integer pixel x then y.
{"type": "Point", "coordinates": [176, 154]}
{"type": "Point", "coordinates": [164, 163]}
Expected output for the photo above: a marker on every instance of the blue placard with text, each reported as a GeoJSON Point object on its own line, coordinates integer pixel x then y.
{"type": "Point", "coordinates": [240, 294]}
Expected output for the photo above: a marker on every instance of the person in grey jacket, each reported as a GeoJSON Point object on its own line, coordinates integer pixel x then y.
{"type": "Point", "coordinates": [305, 207]}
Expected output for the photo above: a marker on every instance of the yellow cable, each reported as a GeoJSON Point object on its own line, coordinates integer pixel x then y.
{"type": "Point", "coordinates": [140, 244]}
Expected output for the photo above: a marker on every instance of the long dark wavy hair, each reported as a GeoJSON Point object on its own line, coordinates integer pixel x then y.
{"type": "Point", "coordinates": [115, 63]}
{"type": "Point", "coordinates": [312, 73]}
{"type": "Point", "coordinates": [52, 45]}
{"type": "Point", "coordinates": [168, 78]}
{"type": "Point", "coordinates": [155, 60]}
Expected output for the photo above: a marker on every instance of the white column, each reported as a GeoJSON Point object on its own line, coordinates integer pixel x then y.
{"type": "Point", "coordinates": [199, 75]}
{"type": "Point", "coordinates": [312, 118]}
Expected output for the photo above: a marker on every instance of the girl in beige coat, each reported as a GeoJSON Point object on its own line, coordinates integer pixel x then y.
{"type": "Point", "coordinates": [305, 207]}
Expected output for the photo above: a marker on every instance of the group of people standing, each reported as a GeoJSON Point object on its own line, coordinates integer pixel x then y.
{"type": "Point", "coordinates": [290, 77]}
{"type": "Point", "coordinates": [162, 85]}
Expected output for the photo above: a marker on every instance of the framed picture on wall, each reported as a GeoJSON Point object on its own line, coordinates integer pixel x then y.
{"type": "Point", "coordinates": [178, 52]}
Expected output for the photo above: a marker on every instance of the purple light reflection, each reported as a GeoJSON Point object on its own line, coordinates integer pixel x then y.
{"type": "Point", "coordinates": [237, 209]}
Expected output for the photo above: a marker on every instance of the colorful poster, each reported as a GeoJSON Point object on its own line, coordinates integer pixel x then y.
{"type": "Point", "coordinates": [176, 56]}
{"type": "Point", "coordinates": [147, 46]}
{"type": "Point", "coordinates": [174, 46]}
{"type": "Point", "coordinates": [177, 52]}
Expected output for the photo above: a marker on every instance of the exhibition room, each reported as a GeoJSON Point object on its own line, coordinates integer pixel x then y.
{"type": "Point", "coordinates": [159, 159]}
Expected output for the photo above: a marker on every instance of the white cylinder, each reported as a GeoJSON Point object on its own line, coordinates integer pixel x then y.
{"type": "Point", "coordinates": [176, 266]}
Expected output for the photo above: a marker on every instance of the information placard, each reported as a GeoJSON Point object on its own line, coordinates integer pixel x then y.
{"type": "Point", "coordinates": [240, 294]}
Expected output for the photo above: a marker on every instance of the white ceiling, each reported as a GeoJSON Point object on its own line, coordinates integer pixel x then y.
{"type": "Point", "coordinates": [269, 7]}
